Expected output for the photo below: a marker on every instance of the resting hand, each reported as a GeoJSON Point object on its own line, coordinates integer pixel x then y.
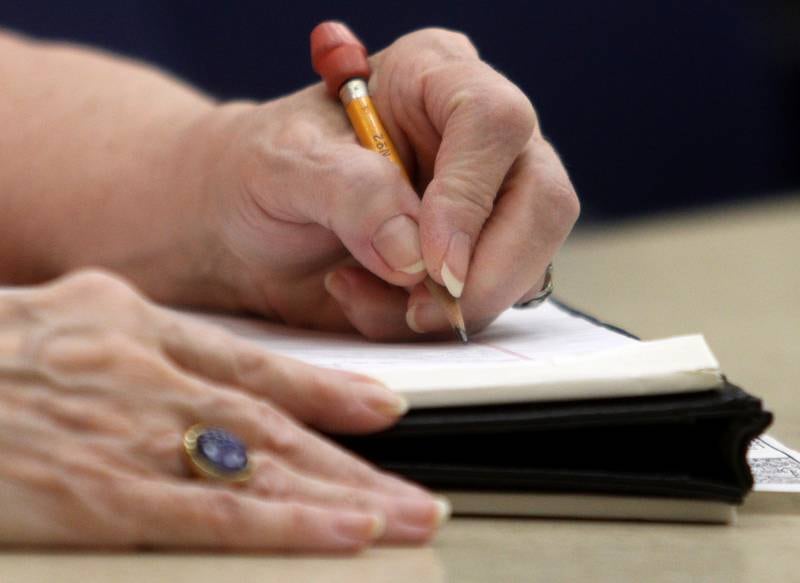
{"type": "Point", "coordinates": [294, 197]}
{"type": "Point", "coordinates": [97, 387]}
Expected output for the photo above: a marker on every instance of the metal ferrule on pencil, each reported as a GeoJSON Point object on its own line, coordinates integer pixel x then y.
{"type": "Point", "coordinates": [353, 89]}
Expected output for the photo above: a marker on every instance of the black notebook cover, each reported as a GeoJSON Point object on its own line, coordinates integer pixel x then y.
{"type": "Point", "coordinates": [688, 445]}
{"type": "Point", "coordinates": [682, 445]}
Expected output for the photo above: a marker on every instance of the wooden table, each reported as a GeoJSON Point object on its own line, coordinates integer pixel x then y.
{"type": "Point", "coordinates": [732, 273]}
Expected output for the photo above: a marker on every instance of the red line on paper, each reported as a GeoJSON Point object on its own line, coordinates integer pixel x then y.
{"type": "Point", "coordinates": [506, 350]}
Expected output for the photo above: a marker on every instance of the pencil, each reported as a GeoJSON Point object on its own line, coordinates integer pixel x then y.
{"type": "Point", "coordinates": [341, 60]}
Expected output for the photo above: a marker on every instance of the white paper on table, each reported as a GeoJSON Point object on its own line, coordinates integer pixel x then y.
{"type": "Point", "coordinates": [775, 467]}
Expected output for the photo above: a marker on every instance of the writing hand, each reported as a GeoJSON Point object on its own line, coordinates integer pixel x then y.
{"type": "Point", "coordinates": [495, 206]}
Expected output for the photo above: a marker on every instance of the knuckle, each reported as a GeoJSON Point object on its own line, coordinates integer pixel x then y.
{"type": "Point", "coordinates": [359, 170]}
{"type": "Point", "coordinates": [288, 147]}
{"type": "Point", "coordinates": [465, 195]}
{"type": "Point", "coordinates": [297, 519]}
{"type": "Point", "coordinates": [348, 177]}
{"type": "Point", "coordinates": [517, 114]}
{"type": "Point", "coordinates": [363, 188]}
{"type": "Point", "coordinates": [180, 341]}
{"type": "Point", "coordinates": [116, 298]}
{"type": "Point", "coordinates": [568, 205]}
{"type": "Point", "coordinates": [506, 110]}
{"type": "Point", "coordinates": [365, 475]}
{"type": "Point", "coordinates": [117, 351]}
{"type": "Point", "coordinates": [248, 361]}
{"type": "Point", "coordinates": [224, 403]}
{"type": "Point", "coordinates": [77, 353]}
{"type": "Point", "coordinates": [272, 480]}
{"type": "Point", "coordinates": [175, 339]}
{"type": "Point", "coordinates": [358, 499]}
{"type": "Point", "coordinates": [94, 283]}
{"type": "Point", "coordinates": [295, 135]}
{"type": "Point", "coordinates": [446, 42]}
{"type": "Point", "coordinates": [562, 199]}
{"type": "Point", "coordinates": [164, 449]}
{"type": "Point", "coordinates": [173, 329]}
{"type": "Point", "coordinates": [111, 493]}
{"type": "Point", "coordinates": [338, 180]}
{"type": "Point", "coordinates": [282, 436]}
{"type": "Point", "coordinates": [224, 515]}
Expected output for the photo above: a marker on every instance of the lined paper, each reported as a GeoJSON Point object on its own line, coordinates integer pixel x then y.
{"type": "Point", "coordinates": [526, 355]}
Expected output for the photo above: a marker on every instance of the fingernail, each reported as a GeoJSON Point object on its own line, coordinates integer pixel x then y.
{"type": "Point", "coordinates": [336, 285]}
{"type": "Point", "coordinates": [411, 320]}
{"type": "Point", "coordinates": [443, 511]}
{"type": "Point", "coordinates": [383, 400]}
{"type": "Point", "coordinates": [426, 317]}
{"type": "Point", "coordinates": [360, 527]}
{"type": "Point", "coordinates": [420, 516]}
{"type": "Point", "coordinates": [456, 263]}
{"type": "Point", "coordinates": [397, 241]}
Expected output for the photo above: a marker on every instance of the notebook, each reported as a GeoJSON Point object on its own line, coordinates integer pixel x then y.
{"type": "Point", "coordinates": [549, 412]}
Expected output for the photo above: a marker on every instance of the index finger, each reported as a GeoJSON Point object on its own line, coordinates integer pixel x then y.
{"type": "Point", "coordinates": [467, 125]}
{"type": "Point", "coordinates": [485, 122]}
{"type": "Point", "coordinates": [533, 216]}
{"type": "Point", "coordinates": [328, 399]}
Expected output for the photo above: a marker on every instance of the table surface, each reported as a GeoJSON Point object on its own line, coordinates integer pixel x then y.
{"type": "Point", "coordinates": [732, 273]}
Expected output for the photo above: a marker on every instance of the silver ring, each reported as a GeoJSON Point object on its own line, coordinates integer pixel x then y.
{"type": "Point", "coordinates": [544, 293]}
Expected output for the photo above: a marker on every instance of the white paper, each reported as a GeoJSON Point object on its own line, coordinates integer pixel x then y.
{"type": "Point", "coordinates": [516, 336]}
{"type": "Point", "coordinates": [541, 354]}
{"type": "Point", "coordinates": [775, 467]}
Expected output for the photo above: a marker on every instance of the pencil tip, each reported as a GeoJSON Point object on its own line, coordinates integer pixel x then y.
{"type": "Point", "coordinates": [462, 334]}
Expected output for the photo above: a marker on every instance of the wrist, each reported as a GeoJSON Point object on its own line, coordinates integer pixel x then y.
{"type": "Point", "coordinates": [200, 269]}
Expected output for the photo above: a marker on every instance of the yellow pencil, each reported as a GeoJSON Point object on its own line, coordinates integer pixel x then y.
{"type": "Point", "coordinates": [341, 60]}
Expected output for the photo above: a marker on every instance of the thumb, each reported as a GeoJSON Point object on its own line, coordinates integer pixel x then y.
{"type": "Point", "coordinates": [368, 203]}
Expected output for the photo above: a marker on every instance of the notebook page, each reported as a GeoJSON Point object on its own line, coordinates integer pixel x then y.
{"type": "Point", "coordinates": [542, 354]}
{"type": "Point", "coordinates": [516, 336]}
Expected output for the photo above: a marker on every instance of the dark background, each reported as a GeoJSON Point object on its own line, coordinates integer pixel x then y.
{"type": "Point", "coordinates": [652, 105]}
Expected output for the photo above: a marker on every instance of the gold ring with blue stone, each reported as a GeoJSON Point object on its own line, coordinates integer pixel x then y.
{"type": "Point", "coordinates": [216, 454]}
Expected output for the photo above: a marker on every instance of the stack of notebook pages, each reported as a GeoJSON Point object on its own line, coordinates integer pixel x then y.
{"type": "Point", "coordinates": [548, 412]}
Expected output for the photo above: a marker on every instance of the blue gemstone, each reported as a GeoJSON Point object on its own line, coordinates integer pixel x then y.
{"type": "Point", "coordinates": [223, 450]}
